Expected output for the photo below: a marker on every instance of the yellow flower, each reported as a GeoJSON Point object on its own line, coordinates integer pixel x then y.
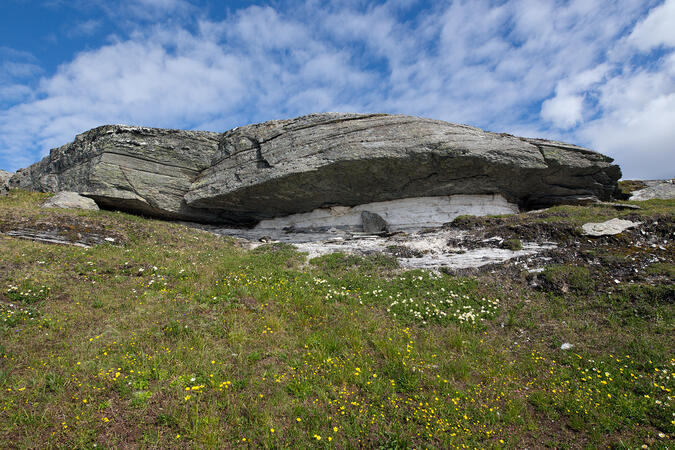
{"type": "Point", "coordinates": [271, 430]}
{"type": "Point", "coordinates": [299, 419]}
{"type": "Point", "coordinates": [178, 436]}
{"type": "Point", "coordinates": [335, 429]}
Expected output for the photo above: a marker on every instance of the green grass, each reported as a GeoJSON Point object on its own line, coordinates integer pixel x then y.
{"type": "Point", "coordinates": [174, 337]}
{"type": "Point", "coordinates": [513, 244]}
{"type": "Point", "coordinates": [628, 186]}
{"type": "Point", "coordinates": [561, 279]}
{"type": "Point", "coordinates": [574, 216]}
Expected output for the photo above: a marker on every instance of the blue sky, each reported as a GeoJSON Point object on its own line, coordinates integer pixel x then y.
{"type": "Point", "coordinates": [591, 72]}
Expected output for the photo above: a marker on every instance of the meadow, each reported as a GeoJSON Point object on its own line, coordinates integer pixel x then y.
{"type": "Point", "coordinates": [167, 336]}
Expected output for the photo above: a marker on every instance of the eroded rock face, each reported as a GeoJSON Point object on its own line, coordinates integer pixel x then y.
{"type": "Point", "coordinates": [4, 181]}
{"type": "Point", "coordinates": [137, 169]}
{"type": "Point", "coordinates": [285, 167]}
{"type": "Point", "coordinates": [289, 166]}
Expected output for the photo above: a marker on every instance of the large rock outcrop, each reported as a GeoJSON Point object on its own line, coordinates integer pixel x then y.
{"type": "Point", "coordinates": [285, 167]}
{"type": "Point", "coordinates": [137, 169]}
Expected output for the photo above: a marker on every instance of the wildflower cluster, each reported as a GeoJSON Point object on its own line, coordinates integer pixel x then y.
{"type": "Point", "coordinates": [11, 315]}
{"type": "Point", "coordinates": [408, 391]}
{"type": "Point", "coordinates": [592, 390]}
{"type": "Point", "coordinates": [426, 309]}
{"type": "Point", "coordinates": [27, 292]}
{"type": "Point", "coordinates": [428, 297]}
{"type": "Point", "coordinates": [341, 293]}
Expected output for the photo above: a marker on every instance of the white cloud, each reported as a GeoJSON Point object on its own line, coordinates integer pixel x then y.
{"type": "Point", "coordinates": [148, 9]}
{"type": "Point", "coordinates": [564, 111]}
{"type": "Point", "coordinates": [636, 104]}
{"type": "Point", "coordinates": [657, 29]}
{"type": "Point", "coordinates": [14, 69]}
{"type": "Point", "coordinates": [636, 126]}
{"type": "Point", "coordinates": [568, 108]}
{"type": "Point", "coordinates": [13, 93]}
{"type": "Point", "coordinates": [85, 28]}
{"type": "Point", "coordinates": [641, 140]}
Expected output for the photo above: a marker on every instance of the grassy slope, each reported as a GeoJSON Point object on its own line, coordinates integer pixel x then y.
{"type": "Point", "coordinates": [174, 337]}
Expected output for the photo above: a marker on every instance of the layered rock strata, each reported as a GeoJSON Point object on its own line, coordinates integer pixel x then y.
{"type": "Point", "coordinates": [284, 167]}
{"type": "Point", "coordinates": [137, 169]}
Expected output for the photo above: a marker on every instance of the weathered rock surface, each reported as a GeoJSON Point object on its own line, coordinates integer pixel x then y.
{"type": "Point", "coordinates": [403, 214]}
{"type": "Point", "coordinates": [608, 228]}
{"type": "Point", "coordinates": [373, 222]}
{"type": "Point", "coordinates": [283, 167]}
{"type": "Point", "coordinates": [661, 189]}
{"type": "Point", "coordinates": [286, 167]}
{"type": "Point", "coordinates": [137, 169]}
{"type": "Point", "coordinates": [4, 181]}
{"type": "Point", "coordinates": [72, 200]}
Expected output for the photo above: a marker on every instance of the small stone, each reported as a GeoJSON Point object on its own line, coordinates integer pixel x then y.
{"type": "Point", "coordinates": [373, 223]}
{"type": "Point", "coordinates": [70, 200]}
{"type": "Point", "coordinates": [608, 228]}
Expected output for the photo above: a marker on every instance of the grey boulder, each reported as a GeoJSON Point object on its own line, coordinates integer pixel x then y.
{"type": "Point", "coordinates": [284, 167]}
{"type": "Point", "coordinates": [71, 200]}
{"type": "Point", "coordinates": [4, 181]}
{"type": "Point", "coordinates": [607, 228]}
{"type": "Point", "coordinates": [661, 189]}
{"type": "Point", "coordinates": [372, 222]}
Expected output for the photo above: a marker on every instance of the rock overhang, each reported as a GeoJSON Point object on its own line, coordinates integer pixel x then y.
{"type": "Point", "coordinates": [285, 167]}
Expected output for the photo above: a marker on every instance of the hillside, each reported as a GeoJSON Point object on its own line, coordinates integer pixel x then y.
{"type": "Point", "coordinates": [152, 334]}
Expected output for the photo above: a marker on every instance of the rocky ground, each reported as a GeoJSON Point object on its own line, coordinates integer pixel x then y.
{"type": "Point", "coordinates": [517, 246]}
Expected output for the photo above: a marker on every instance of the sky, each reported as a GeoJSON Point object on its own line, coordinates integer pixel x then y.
{"type": "Point", "coordinates": [596, 73]}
